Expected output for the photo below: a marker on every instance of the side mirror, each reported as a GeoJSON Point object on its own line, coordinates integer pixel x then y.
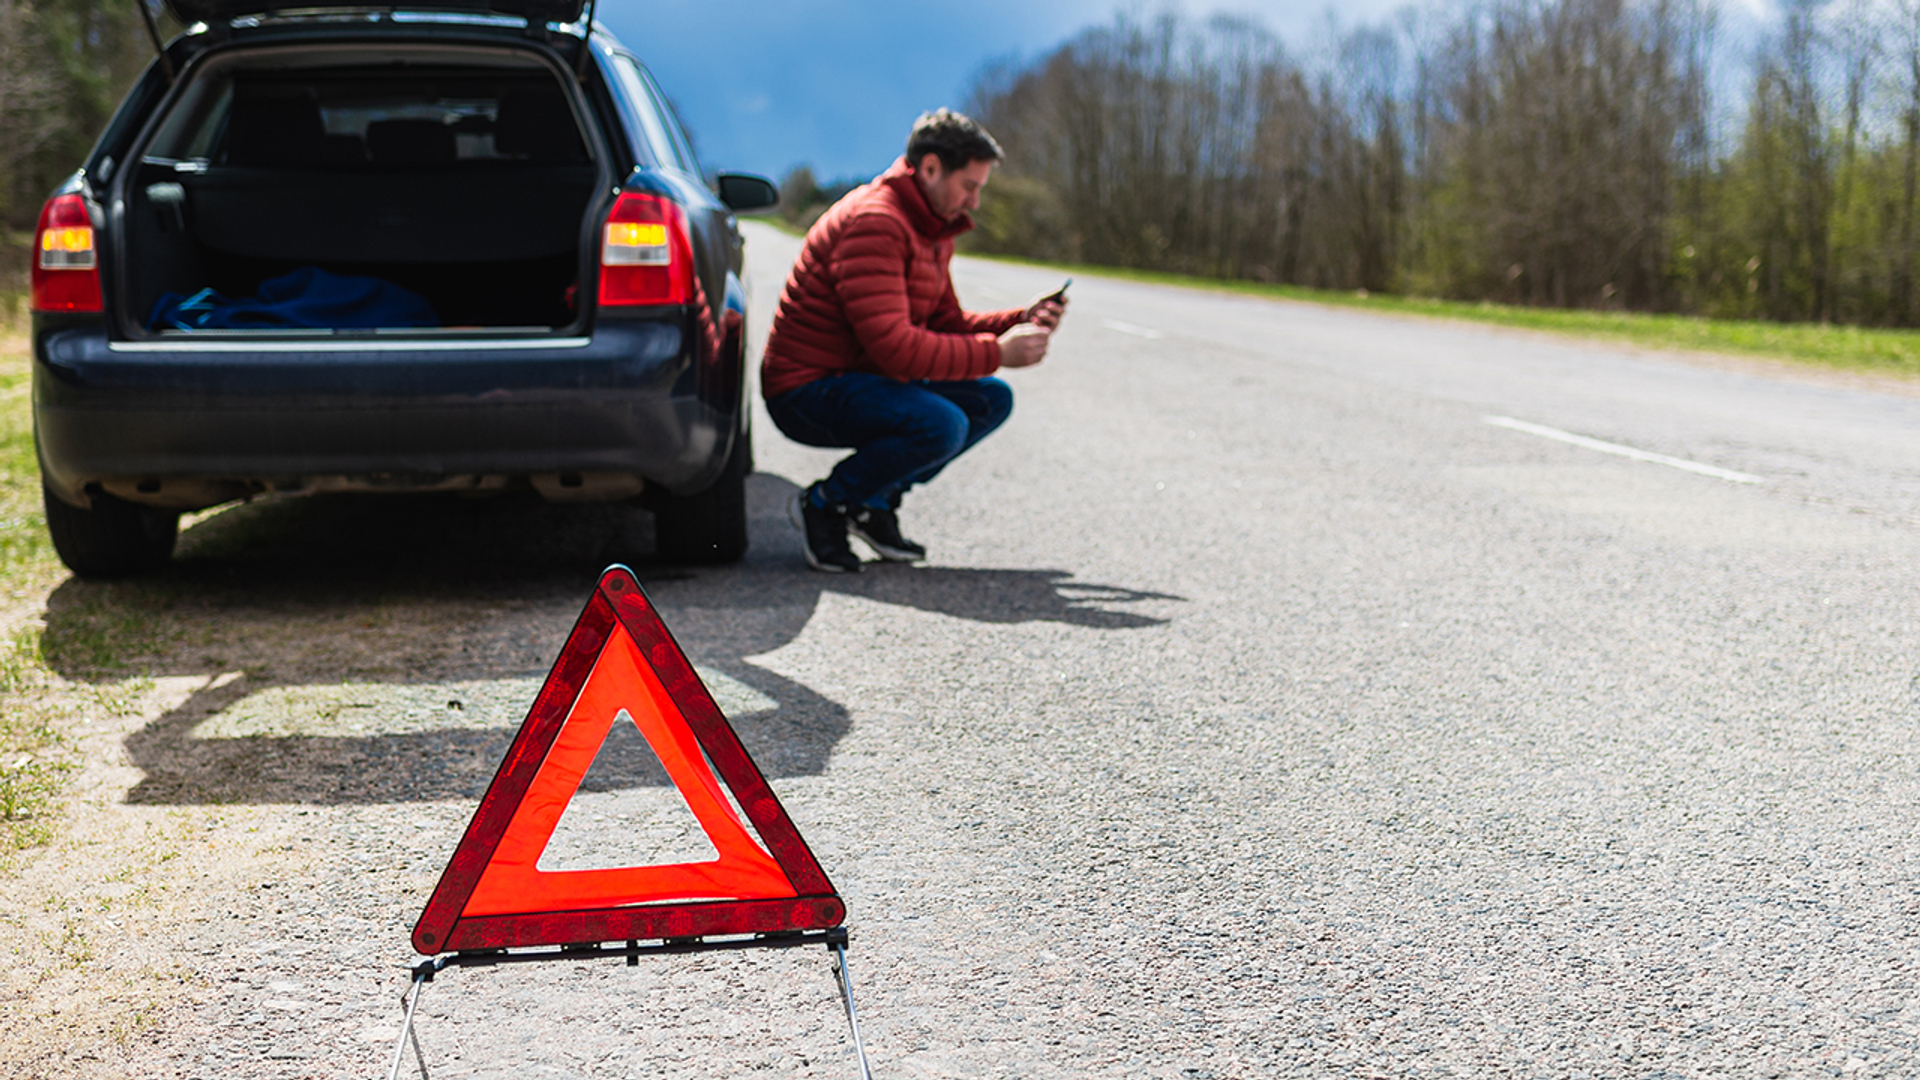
{"type": "Point", "coordinates": [745, 192]}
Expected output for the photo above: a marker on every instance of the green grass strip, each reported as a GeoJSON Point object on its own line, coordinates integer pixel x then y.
{"type": "Point", "coordinates": [1847, 348]}
{"type": "Point", "coordinates": [26, 555]}
{"type": "Point", "coordinates": [32, 767]}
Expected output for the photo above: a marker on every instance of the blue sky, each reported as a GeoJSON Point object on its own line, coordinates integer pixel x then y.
{"type": "Point", "coordinates": [769, 84]}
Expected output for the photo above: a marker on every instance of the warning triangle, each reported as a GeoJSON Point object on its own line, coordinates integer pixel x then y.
{"type": "Point", "coordinates": [620, 665]}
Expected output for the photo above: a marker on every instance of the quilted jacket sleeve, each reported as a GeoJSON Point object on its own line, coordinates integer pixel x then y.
{"type": "Point", "coordinates": [870, 275]}
{"type": "Point", "coordinates": [951, 318]}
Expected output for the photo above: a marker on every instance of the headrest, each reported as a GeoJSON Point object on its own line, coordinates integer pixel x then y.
{"type": "Point", "coordinates": [410, 142]}
{"type": "Point", "coordinates": [275, 132]}
{"type": "Point", "coordinates": [538, 124]}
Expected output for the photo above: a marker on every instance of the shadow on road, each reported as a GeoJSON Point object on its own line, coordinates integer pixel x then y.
{"type": "Point", "coordinates": [341, 651]}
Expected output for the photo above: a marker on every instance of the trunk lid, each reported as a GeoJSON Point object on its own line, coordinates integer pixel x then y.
{"type": "Point", "coordinates": [210, 11]}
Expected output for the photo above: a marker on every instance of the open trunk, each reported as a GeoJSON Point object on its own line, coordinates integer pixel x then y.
{"type": "Point", "coordinates": [187, 12]}
{"type": "Point", "coordinates": [459, 175]}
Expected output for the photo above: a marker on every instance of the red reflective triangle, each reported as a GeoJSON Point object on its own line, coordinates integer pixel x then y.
{"type": "Point", "coordinates": [620, 657]}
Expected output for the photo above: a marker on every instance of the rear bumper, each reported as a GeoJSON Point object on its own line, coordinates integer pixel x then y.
{"type": "Point", "coordinates": [197, 421]}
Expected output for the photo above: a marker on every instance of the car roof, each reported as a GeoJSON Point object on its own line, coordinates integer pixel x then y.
{"type": "Point", "coordinates": [210, 11]}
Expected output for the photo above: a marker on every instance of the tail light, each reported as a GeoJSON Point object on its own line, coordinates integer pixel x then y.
{"type": "Point", "coordinates": [66, 264]}
{"type": "Point", "coordinates": [645, 256]}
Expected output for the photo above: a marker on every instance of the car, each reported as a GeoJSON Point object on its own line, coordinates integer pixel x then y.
{"type": "Point", "coordinates": [450, 247]}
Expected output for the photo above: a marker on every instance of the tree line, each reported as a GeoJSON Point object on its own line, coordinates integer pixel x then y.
{"type": "Point", "coordinates": [1584, 153]}
{"type": "Point", "coordinates": [1570, 153]}
{"type": "Point", "coordinates": [64, 66]}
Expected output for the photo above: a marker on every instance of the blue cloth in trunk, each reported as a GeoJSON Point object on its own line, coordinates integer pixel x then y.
{"type": "Point", "coordinates": [308, 297]}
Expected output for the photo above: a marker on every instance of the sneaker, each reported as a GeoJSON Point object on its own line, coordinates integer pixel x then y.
{"type": "Point", "coordinates": [824, 535]}
{"type": "Point", "coordinates": [881, 531]}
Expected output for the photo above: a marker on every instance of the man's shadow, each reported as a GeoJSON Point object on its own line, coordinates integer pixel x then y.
{"type": "Point", "coordinates": [437, 618]}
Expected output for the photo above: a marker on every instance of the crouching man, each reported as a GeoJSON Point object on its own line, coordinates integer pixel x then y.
{"type": "Point", "coordinates": [870, 349]}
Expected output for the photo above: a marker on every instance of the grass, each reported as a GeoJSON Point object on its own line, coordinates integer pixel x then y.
{"type": "Point", "coordinates": [1846, 348]}
{"type": "Point", "coordinates": [32, 766]}
{"type": "Point", "coordinates": [26, 555]}
{"type": "Point", "coordinates": [32, 762]}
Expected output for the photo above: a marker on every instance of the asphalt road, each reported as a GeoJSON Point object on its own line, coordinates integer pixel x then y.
{"type": "Point", "coordinates": [1264, 710]}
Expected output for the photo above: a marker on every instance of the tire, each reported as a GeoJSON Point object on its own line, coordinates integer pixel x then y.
{"type": "Point", "coordinates": [708, 528]}
{"type": "Point", "coordinates": [114, 539]}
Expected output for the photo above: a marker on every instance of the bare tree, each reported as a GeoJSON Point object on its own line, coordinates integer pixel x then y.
{"type": "Point", "coordinates": [1554, 152]}
{"type": "Point", "coordinates": [29, 103]}
{"type": "Point", "coordinates": [1903, 299]}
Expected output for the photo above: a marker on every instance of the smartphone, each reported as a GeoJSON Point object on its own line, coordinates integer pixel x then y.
{"type": "Point", "coordinates": [1059, 294]}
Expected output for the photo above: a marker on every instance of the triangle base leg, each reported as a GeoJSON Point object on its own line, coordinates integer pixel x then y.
{"type": "Point", "coordinates": [839, 948]}
{"type": "Point", "coordinates": [835, 939]}
{"type": "Point", "coordinates": [422, 975]}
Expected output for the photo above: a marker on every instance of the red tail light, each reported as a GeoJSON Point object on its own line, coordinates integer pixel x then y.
{"type": "Point", "coordinates": [66, 263]}
{"type": "Point", "coordinates": [645, 256]}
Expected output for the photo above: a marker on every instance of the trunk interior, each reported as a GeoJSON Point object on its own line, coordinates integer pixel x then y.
{"type": "Point", "coordinates": [464, 183]}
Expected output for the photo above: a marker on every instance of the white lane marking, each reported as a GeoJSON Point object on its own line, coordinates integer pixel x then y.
{"type": "Point", "coordinates": [1624, 451]}
{"type": "Point", "coordinates": [1129, 328]}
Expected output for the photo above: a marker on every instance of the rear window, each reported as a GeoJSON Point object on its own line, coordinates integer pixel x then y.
{"type": "Point", "coordinates": [372, 117]}
{"type": "Point", "coordinates": [655, 127]}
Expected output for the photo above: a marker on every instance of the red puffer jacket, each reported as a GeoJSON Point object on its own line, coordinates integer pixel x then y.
{"type": "Point", "coordinates": [870, 292]}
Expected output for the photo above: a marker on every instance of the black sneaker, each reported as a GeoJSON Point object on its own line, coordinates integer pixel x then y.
{"type": "Point", "coordinates": [881, 531]}
{"type": "Point", "coordinates": [824, 535]}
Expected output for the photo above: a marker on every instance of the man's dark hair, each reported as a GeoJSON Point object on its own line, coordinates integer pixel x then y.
{"type": "Point", "coordinates": [956, 139]}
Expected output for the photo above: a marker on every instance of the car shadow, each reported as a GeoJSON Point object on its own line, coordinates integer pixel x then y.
{"type": "Point", "coordinates": [370, 650]}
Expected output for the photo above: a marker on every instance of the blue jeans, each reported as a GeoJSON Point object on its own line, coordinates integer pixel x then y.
{"type": "Point", "coordinates": [902, 434]}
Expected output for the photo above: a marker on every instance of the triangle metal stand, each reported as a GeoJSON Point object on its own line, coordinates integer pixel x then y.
{"type": "Point", "coordinates": [835, 940]}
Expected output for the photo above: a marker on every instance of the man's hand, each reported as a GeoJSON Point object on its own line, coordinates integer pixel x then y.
{"type": "Point", "coordinates": [1025, 345]}
{"type": "Point", "coordinates": [1045, 312]}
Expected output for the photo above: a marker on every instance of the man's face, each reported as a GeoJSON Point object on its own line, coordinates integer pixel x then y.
{"type": "Point", "coordinates": [951, 192]}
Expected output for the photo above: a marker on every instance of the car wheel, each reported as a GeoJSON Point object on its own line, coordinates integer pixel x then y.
{"type": "Point", "coordinates": [709, 527]}
{"type": "Point", "coordinates": [114, 538]}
